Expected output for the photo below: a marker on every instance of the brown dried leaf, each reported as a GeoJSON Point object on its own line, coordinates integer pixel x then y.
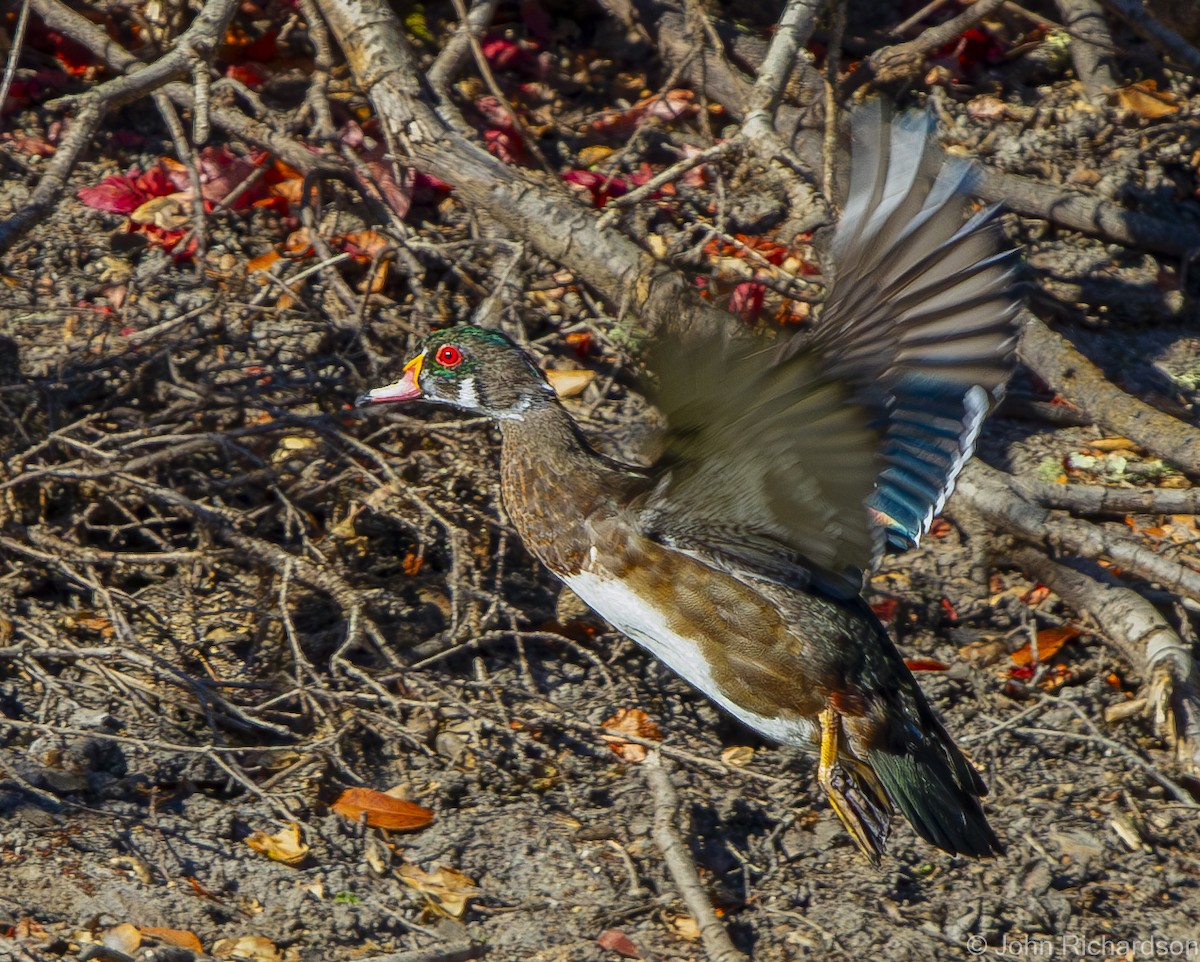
{"type": "Point", "coordinates": [169, 213]}
{"type": "Point", "coordinates": [284, 846]}
{"type": "Point", "coordinates": [614, 940]}
{"type": "Point", "coordinates": [685, 927]}
{"type": "Point", "coordinates": [449, 890]}
{"type": "Point", "coordinates": [738, 756]}
{"type": "Point", "coordinates": [382, 810]}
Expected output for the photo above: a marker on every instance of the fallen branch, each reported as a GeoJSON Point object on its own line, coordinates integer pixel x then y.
{"type": "Point", "coordinates": [680, 864]}
{"type": "Point", "coordinates": [1057, 363]}
{"type": "Point", "coordinates": [903, 61]}
{"type": "Point", "coordinates": [996, 497]}
{"type": "Point", "coordinates": [1097, 499]}
{"type": "Point", "coordinates": [1144, 639]}
{"type": "Point", "coordinates": [1150, 644]}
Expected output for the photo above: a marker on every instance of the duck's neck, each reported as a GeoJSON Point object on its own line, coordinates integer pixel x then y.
{"type": "Point", "coordinates": [553, 482]}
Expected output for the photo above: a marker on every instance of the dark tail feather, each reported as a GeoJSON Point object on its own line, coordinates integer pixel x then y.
{"type": "Point", "coordinates": [938, 792]}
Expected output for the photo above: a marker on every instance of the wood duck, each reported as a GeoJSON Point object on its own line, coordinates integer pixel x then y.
{"type": "Point", "coordinates": [739, 557]}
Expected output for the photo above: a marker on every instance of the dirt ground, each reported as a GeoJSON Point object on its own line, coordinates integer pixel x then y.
{"type": "Point", "coordinates": [225, 598]}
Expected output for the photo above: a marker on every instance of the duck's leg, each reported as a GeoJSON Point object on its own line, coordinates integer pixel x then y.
{"type": "Point", "coordinates": [858, 798]}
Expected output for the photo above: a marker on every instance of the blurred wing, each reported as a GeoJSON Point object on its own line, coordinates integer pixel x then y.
{"type": "Point", "coordinates": [768, 465]}
{"type": "Point", "coordinates": [920, 317]}
{"type": "Point", "coordinates": [774, 454]}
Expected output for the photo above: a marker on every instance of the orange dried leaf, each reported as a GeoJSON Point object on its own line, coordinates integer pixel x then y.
{"type": "Point", "coordinates": [939, 528]}
{"type": "Point", "coordinates": [1146, 101]}
{"type": "Point", "coordinates": [179, 937]}
{"type": "Point", "coordinates": [1049, 641]}
{"type": "Point", "coordinates": [1112, 444]}
{"type": "Point", "coordinates": [263, 262]}
{"type": "Point", "coordinates": [382, 811]}
{"type": "Point", "coordinates": [632, 721]}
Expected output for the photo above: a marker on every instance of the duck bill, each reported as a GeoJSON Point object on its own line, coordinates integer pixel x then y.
{"type": "Point", "coordinates": [407, 388]}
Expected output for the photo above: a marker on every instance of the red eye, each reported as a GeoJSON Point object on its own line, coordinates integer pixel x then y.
{"type": "Point", "coordinates": [449, 356]}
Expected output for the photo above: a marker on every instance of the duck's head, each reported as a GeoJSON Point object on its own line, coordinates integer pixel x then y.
{"type": "Point", "coordinates": [472, 368]}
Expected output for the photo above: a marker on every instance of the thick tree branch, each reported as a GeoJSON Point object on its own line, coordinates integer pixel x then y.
{"type": "Point", "coordinates": [1091, 46]}
{"type": "Point", "coordinates": [1066, 370]}
{"type": "Point", "coordinates": [1141, 21]}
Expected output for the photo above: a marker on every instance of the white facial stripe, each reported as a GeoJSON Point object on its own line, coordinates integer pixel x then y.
{"type": "Point", "coordinates": [468, 394]}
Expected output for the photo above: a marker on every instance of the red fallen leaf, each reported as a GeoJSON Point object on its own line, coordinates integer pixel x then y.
{"type": "Point", "coordinates": [885, 610]}
{"type": "Point", "coordinates": [1049, 641]}
{"type": "Point", "coordinates": [240, 46]}
{"type": "Point", "coordinates": [250, 75]}
{"type": "Point", "coordinates": [614, 940]}
{"type": "Point", "coordinates": [644, 173]}
{"type": "Point", "coordinates": [427, 183]}
{"type": "Point", "coordinates": [600, 186]}
{"type": "Point", "coordinates": [75, 58]}
{"type": "Point", "coordinates": [125, 193]}
{"type": "Point", "coordinates": [506, 145]}
{"type": "Point", "coordinates": [397, 195]}
{"type": "Point", "coordinates": [747, 301]}
{"type": "Point", "coordinates": [948, 610]}
{"type": "Point", "coordinates": [21, 93]}
{"type": "Point", "coordinates": [494, 113]}
{"type": "Point", "coordinates": [221, 172]}
{"type": "Point", "coordinates": [503, 54]}
{"type": "Point", "coordinates": [926, 664]}
{"type": "Point", "coordinates": [580, 342]}
{"type": "Point", "coordinates": [382, 810]}
{"type": "Point", "coordinates": [973, 48]}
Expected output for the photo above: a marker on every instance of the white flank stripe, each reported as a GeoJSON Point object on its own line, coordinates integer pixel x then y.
{"type": "Point", "coordinates": [629, 613]}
